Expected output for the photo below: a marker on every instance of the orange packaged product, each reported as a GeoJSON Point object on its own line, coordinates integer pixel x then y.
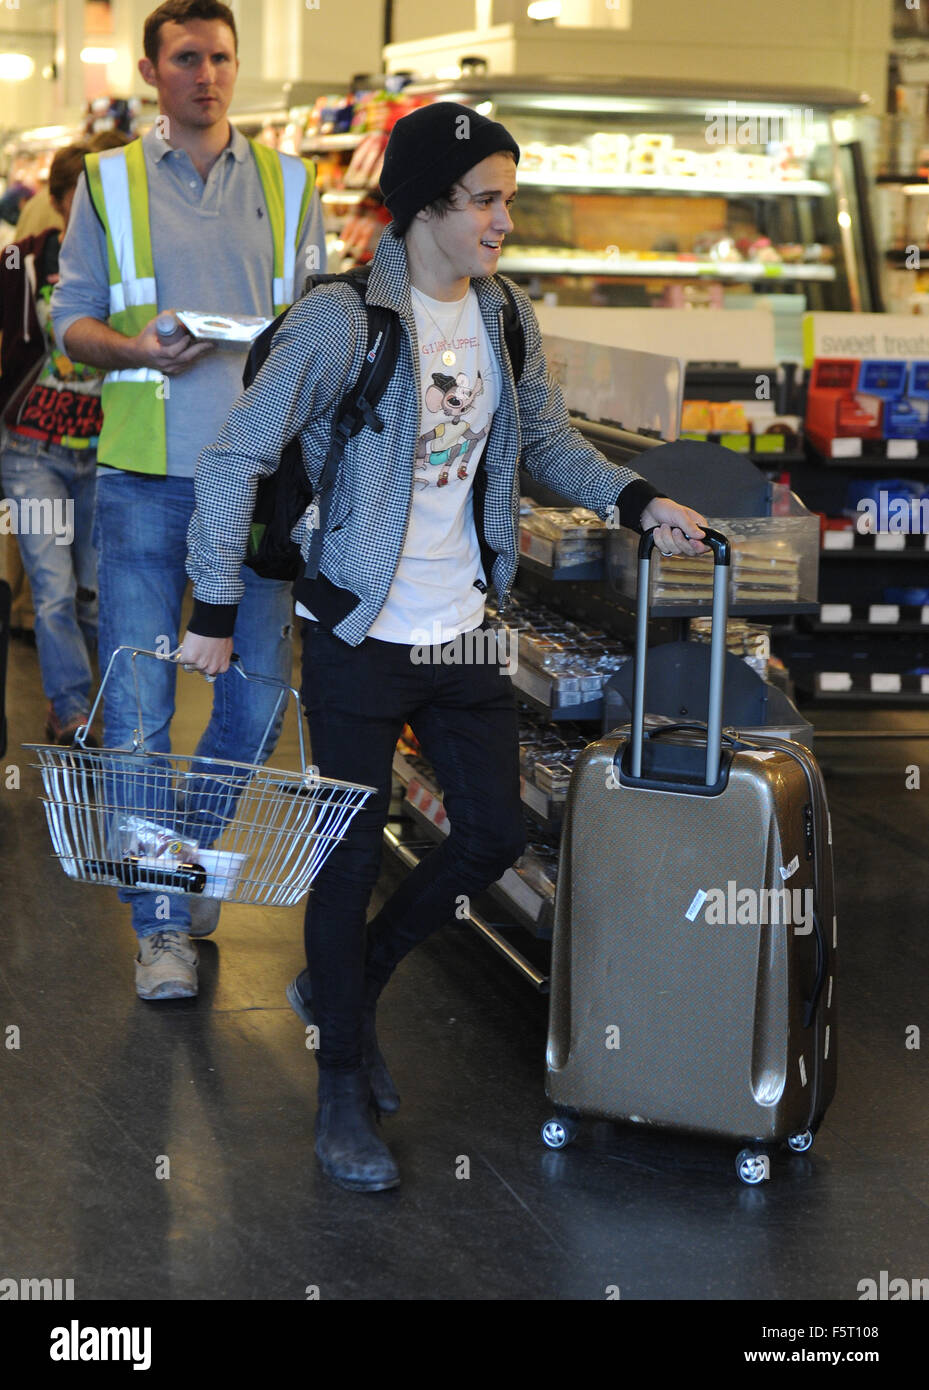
{"type": "Point", "coordinates": [695, 416]}
{"type": "Point", "coordinates": [728, 417]}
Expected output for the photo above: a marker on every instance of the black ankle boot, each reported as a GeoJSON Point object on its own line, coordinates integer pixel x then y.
{"type": "Point", "coordinates": [348, 1146]}
{"type": "Point", "coordinates": [383, 1090]}
{"type": "Point", "coordinates": [382, 1087]}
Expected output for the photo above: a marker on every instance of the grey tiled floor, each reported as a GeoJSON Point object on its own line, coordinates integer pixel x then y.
{"type": "Point", "coordinates": [103, 1084]}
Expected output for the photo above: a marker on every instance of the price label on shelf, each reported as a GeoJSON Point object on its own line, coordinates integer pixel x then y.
{"type": "Point", "coordinates": [773, 272]}
{"type": "Point", "coordinates": [924, 615]}
{"type": "Point", "coordinates": [835, 613]}
{"type": "Point", "coordinates": [889, 540]}
{"type": "Point", "coordinates": [883, 613]}
{"type": "Point", "coordinates": [902, 449]}
{"type": "Point", "coordinates": [838, 540]}
{"type": "Point", "coordinates": [885, 682]}
{"type": "Point", "coordinates": [845, 448]}
{"type": "Point", "coordinates": [835, 680]}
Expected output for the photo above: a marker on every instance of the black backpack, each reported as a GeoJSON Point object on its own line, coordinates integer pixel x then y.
{"type": "Point", "coordinates": [284, 496]}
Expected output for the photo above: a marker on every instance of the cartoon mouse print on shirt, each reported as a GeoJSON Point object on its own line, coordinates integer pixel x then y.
{"type": "Point", "coordinates": [453, 438]}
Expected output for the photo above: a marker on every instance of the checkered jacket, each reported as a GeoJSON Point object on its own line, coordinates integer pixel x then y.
{"type": "Point", "coordinates": [315, 358]}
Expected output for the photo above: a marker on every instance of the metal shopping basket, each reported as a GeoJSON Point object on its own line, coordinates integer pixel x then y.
{"type": "Point", "coordinates": [165, 823]}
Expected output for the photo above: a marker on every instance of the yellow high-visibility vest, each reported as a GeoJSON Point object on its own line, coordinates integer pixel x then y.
{"type": "Point", "coordinates": [133, 400]}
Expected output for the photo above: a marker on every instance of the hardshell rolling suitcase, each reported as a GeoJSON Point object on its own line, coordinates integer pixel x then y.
{"type": "Point", "coordinates": [693, 954]}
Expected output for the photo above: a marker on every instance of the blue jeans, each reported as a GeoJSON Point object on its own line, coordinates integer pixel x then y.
{"type": "Point", "coordinates": [62, 567]}
{"type": "Point", "coordinates": [141, 536]}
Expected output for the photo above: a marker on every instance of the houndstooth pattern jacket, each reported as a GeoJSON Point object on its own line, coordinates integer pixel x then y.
{"type": "Point", "coordinates": [315, 358]}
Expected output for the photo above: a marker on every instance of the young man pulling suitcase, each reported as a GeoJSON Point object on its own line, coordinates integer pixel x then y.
{"type": "Point", "coordinates": [421, 519]}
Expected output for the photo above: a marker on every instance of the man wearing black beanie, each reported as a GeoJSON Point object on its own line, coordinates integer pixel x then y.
{"type": "Point", "coordinates": [422, 519]}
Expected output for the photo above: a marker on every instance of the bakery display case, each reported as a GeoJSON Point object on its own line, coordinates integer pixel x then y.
{"type": "Point", "coordinates": [645, 193]}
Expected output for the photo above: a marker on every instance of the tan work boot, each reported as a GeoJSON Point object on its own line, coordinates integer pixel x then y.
{"type": "Point", "coordinates": [166, 966]}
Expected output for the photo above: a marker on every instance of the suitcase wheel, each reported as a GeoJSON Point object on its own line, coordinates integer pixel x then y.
{"type": "Point", "coordinates": [559, 1132]}
{"type": "Point", "coordinates": [799, 1143]}
{"type": "Point", "coordinates": [752, 1167]}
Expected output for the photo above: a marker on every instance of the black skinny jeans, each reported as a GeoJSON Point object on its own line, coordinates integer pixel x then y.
{"type": "Point", "coordinates": [357, 700]}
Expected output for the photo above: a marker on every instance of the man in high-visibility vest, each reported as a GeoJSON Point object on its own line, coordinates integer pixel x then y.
{"type": "Point", "coordinates": [192, 216]}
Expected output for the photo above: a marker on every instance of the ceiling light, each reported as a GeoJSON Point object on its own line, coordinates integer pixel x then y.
{"type": "Point", "coordinates": [544, 9]}
{"type": "Point", "coordinates": [16, 67]}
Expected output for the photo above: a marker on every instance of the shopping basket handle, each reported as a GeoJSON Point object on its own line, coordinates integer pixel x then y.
{"type": "Point", "coordinates": [174, 657]}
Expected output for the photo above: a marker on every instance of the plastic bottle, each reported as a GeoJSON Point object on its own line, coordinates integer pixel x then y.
{"type": "Point", "coordinates": [168, 328]}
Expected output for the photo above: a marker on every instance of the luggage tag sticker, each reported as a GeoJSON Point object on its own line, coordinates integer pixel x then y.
{"type": "Point", "coordinates": [790, 869]}
{"type": "Point", "coordinates": [699, 899]}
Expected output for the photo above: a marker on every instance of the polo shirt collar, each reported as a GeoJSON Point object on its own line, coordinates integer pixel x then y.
{"type": "Point", "coordinates": [238, 146]}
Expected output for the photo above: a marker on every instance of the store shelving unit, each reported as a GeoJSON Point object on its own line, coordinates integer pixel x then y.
{"type": "Point", "coordinates": [861, 648]}
{"type": "Point", "coordinates": [594, 228]}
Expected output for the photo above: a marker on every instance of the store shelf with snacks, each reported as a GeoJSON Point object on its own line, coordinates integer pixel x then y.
{"type": "Point", "coordinates": [346, 136]}
{"type": "Point", "coordinates": [592, 572]}
{"type": "Point", "coordinates": [883, 545]}
{"type": "Point", "coordinates": [859, 659]}
{"type": "Point", "coordinates": [541, 693]}
{"type": "Point", "coordinates": [870, 617]}
{"type": "Point", "coordinates": [760, 448]}
{"type": "Point", "coordinates": [874, 687]}
{"type": "Point", "coordinates": [851, 449]}
{"type": "Point", "coordinates": [546, 761]}
{"type": "Point", "coordinates": [722, 406]}
{"type": "Point", "coordinates": [561, 544]}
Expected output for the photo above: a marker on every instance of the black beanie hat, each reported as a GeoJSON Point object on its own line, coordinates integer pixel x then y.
{"type": "Point", "coordinates": [430, 149]}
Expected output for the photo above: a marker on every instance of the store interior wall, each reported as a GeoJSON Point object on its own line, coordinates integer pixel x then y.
{"type": "Point", "coordinates": [839, 43]}
{"type": "Point", "coordinates": [279, 40]}
{"type": "Point", "coordinates": [832, 43]}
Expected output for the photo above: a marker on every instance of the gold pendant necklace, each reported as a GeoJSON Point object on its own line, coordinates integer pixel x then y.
{"type": "Point", "coordinates": [449, 358]}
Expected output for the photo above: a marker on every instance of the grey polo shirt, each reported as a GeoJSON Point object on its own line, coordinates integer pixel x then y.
{"type": "Point", "coordinates": [213, 250]}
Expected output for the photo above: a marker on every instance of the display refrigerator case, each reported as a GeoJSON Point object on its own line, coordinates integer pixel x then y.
{"type": "Point", "coordinates": [642, 193]}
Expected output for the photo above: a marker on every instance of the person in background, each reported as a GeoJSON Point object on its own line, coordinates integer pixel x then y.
{"type": "Point", "coordinates": [39, 213]}
{"type": "Point", "coordinates": [51, 421]}
{"type": "Point", "coordinates": [192, 216]}
{"type": "Point", "coordinates": [418, 534]}
{"type": "Point", "coordinates": [11, 205]}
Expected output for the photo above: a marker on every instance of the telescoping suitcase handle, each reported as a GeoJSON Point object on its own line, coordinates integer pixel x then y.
{"type": "Point", "coordinates": [720, 546]}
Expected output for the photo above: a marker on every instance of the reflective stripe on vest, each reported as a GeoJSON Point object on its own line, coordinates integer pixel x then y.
{"type": "Point", "coordinates": [287, 185]}
{"type": "Point", "coordinates": [134, 433]}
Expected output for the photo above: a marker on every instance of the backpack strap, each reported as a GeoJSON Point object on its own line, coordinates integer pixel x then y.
{"type": "Point", "coordinates": [358, 406]}
{"type": "Point", "coordinates": [513, 331]}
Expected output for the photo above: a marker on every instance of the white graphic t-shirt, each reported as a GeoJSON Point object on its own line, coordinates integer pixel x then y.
{"type": "Point", "coordinates": [433, 596]}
